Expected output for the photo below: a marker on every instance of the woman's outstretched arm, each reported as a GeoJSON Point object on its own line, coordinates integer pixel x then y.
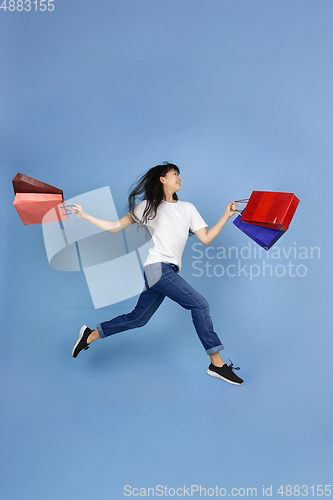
{"type": "Point", "coordinates": [206, 237]}
{"type": "Point", "coordinates": [111, 227]}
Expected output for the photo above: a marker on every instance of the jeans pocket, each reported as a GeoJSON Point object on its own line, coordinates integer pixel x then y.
{"type": "Point", "coordinates": [153, 273]}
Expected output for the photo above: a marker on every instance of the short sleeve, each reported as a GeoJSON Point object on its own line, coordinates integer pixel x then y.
{"type": "Point", "coordinates": [196, 221]}
{"type": "Point", "coordinates": [139, 209]}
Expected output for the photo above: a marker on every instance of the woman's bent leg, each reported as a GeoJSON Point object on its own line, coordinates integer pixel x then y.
{"type": "Point", "coordinates": [176, 288]}
{"type": "Point", "coordinates": [149, 301]}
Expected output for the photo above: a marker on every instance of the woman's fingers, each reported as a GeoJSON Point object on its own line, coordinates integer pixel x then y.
{"type": "Point", "coordinates": [231, 209]}
{"type": "Point", "coordinates": [76, 209]}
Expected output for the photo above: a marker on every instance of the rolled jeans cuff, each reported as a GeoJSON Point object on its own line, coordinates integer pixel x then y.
{"type": "Point", "coordinates": [215, 349]}
{"type": "Point", "coordinates": [100, 331]}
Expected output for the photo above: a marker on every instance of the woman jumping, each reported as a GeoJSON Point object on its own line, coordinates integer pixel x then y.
{"type": "Point", "coordinates": [169, 221]}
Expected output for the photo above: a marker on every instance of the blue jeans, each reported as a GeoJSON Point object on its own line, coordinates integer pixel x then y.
{"type": "Point", "coordinates": [162, 280]}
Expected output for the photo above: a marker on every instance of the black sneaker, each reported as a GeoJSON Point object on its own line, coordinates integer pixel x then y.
{"type": "Point", "coordinates": [81, 342]}
{"type": "Point", "coordinates": [225, 373]}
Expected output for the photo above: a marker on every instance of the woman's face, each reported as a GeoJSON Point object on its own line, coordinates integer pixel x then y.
{"type": "Point", "coordinates": [171, 181]}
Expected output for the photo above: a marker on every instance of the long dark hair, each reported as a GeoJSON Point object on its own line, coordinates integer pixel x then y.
{"type": "Point", "coordinates": [149, 187]}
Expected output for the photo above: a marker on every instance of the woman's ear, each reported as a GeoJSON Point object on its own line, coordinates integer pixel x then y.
{"type": "Point", "coordinates": [162, 179]}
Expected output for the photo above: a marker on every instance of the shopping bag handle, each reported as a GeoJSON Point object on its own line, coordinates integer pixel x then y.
{"type": "Point", "coordinates": [239, 210]}
{"type": "Point", "coordinates": [67, 207]}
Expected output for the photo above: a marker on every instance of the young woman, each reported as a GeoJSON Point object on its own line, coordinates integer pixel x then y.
{"type": "Point", "coordinates": [169, 221]}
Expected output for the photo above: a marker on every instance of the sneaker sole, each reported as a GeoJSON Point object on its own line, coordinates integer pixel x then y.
{"type": "Point", "coordinates": [216, 375]}
{"type": "Point", "coordinates": [81, 332]}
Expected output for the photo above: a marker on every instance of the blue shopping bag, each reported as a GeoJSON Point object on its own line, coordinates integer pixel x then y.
{"type": "Point", "coordinates": [264, 236]}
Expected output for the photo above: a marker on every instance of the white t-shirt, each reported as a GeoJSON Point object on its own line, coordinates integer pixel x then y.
{"type": "Point", "coordinates": [169, 230]}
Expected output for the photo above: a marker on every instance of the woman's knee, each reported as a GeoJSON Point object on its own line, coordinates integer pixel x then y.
{"type": "Point", "coordinates": [133, 319]}
{"type": "Point", "coordinates": [202, 303]}
{"type": "Point", "coordinates": [137, 320]}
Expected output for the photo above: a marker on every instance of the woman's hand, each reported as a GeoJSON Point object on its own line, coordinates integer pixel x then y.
{"type": "Point", "coordinates": [230, 210]}
{"type": "Point", "coordinates": [78, 210]}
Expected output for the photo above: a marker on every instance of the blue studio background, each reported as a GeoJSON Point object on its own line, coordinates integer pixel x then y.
{"type": "Point", "coordinates": [239, 95]}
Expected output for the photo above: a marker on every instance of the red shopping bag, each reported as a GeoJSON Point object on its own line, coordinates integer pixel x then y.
{"type": "Point", "coordinates": [25, 184]}
{"type": "Point", "coordinates": [38, 208]}
{"type": "Point", "coordinates": [270, 209]}
{"type": "Point", "coordinates": [37, 202]}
